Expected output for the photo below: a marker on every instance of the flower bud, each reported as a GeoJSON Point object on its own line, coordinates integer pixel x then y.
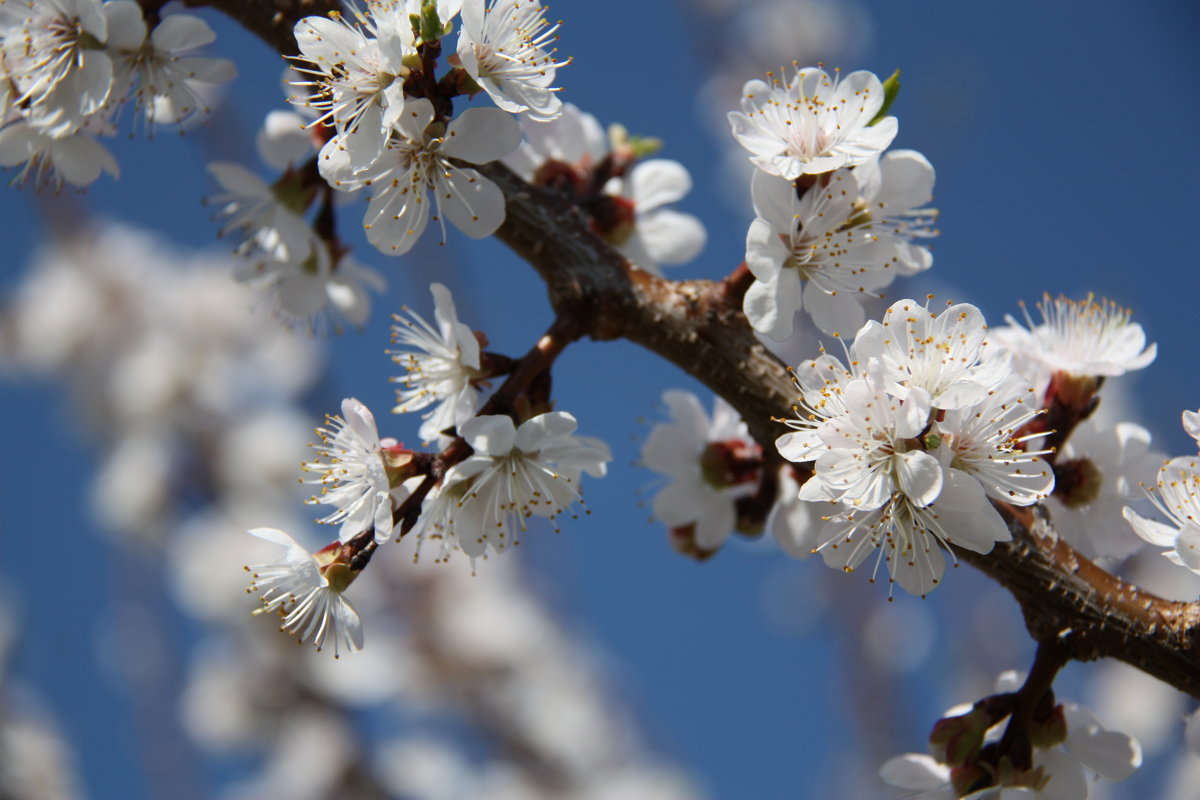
{"type": "Point", "coordinates": [333, 560]}
{"type": "Point", "coordinates": [957, 740]}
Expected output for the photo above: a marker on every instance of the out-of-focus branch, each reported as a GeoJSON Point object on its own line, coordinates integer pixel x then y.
{"type": "Point", "coordinates": [698, 326]}
{"type": "Point", "coordinates": [270, 20]}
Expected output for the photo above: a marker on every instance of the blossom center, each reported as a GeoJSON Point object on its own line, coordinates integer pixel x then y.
{"type": "Point", "coordinates": [1077, 482]}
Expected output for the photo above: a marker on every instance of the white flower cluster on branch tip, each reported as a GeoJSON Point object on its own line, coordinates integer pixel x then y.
{"type": "Point", "coordinates": [516, 472]}
{"type": "Point", "coordinates": [837, 219]}
{"type": "Point", "coordinates": [909, 442]}
{"type": "Point", "coordinates": [67, 67]}
{"type": "Point", "coordinates": [482, 499]}
{"type": "Point", "coordinates": [402, 149]}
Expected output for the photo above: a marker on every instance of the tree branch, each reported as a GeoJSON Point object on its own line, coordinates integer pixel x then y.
{"type": "Point", "coordinates": [698, 326]}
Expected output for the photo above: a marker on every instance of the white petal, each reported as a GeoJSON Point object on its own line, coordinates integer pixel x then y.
{"type": "Point", "coordinates": [795, 524]}
{"type": "Point", "coordinates": [1191, 424]}
{"type": "Point", "coordinates": [685, 409]}
{"type": "Point", "coordinates": [536, 432]}
{"type": "Point", "coordinates": [473, 203]}
{"type": "Point", "coordinates": [671, 237]}
{"type": "Point", "coordinates": [717, 517]}
{"type": "Point", "coordinates": [678, 503]}
{"type": "Point", "coordinates": [125, 23]}
{"type": "Point", "coordinates": [774, 201]}
{"type": "Point", "coordinates": [179, 32]}
{"type": "Point", "coordinates": [480, 135]}
{"type": "Point", "coordinates": [1067, 781]}
{"type": "Point", "coordinates": [283, 139]}
{"type": "Point", "coordinates": [916, 772]}
{"type": "Point", "coordinates": [492, 435]}
{"type": "Point", "coordinates": [920, 477]}
{"type": "Point", "coordinates": [765, 251]}
{"type": "Point", "coordinates": [920, 570]}
{"type": "Point", "coordinates": [238, 180]}
{"type": "Point", "coordinates": [657, 182]}
{"type": "Point", "coordinates": [771, 306]}
{"type": "Point", "coordinates": [1111, 754]}
{"type": "Point", "coordinates": [965, 514]}
{"type": "Point", "coordinates": [1188, 547]}
{"type": "Point", "coordinates": [1156, 533]}
{"type": "Point", "coordinates": [394, 221]}
{"type": "Point", "coordinates": [347, 621]}
{"type": "Point", "coordinates": [80, 159]}
{"type": "Point", "coordinates": [834, 314]}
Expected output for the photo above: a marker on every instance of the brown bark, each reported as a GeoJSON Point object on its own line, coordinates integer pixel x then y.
{"type": "Point", "coordinates": [698, 326]}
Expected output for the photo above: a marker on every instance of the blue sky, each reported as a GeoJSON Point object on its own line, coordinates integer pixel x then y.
{"type": "Point", "coordinates": [1064, 140]}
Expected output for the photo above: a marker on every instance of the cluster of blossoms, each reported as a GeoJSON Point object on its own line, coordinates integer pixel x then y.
{"type": "Point", "coordinates": [967, 760]}
{"type": "Point", "coordinates": [901, 451]}
{"type": "Point", "coordinates": [300, 273]}
{"type": "Point", "coordinates": [837, 219]}
{"type": "Point", "coordinates": [69, 66]}
{"type": "Point", "coordinates": [381, 126]}
{"type": "Point", "coordinates": [481, 495]}
{"type": "Point", "coordinates": [911, 440]}
{"type": "Point", "coordinates": [369, 79]}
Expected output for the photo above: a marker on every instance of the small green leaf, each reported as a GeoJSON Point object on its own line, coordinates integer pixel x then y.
{"type": "Point", "coordinates": [432, 28]}
{"type": "Point", "coordinates": [891, 88]}
{"type": "Point", "coordinates": [645, 145]}
{"type": "Point", "coordinates": [619, 138]}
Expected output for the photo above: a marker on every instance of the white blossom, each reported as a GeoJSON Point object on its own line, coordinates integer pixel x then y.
{"type": "Point", "coordinates": [515, 473]}
{"type": "Point", "coordinates": [252, 207]}
{"type": "Point", "coordinates": [419, 159]}
{"type": "Point", "coordinates": [53, 52]}
{"type": "Point", "coordinates": [506, 47]}
{"type": "Point", "coordinates": [982, 440]}
{"type": "Point", "coordinates": [574, 138]}
{"type": "Point", "coordinates": [690, 450]}
{"type": "Point", "coordinates": [812, 123]}
{"type": "Point", "coordinates": [1099, 471]}
{"type": "Point", "coordinates": [306, 594]}
{"type": "Point", "coordinates": [357, 77]}
{"type": "Point", "coordinates": [886, 492]}
{"type": "Point", "coordinates": [806, 254]}
{"type": "Point", "coordinates": [794, 523]}
{"type": "Point", "coordinates": [1176, 494]}
{"type": "Point", "coordinates": [655, 234]}
{"type": "Point", "coordinates": [1086, 337]}
{"type": "Point", "coordinates": [945, 354]}
{"type": "Point", "coordinates": [76, 158]}
{"type": "Point", "coordinates": [283, 140]}
{"type": "Point", "coordinates": [301, 292]}
{"type": "Point", "coordinates": [168, 81]}
{"type": "Point", "coordinates": [351, 473]}
{"type": "Point", "coordinates": [441, 366]}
